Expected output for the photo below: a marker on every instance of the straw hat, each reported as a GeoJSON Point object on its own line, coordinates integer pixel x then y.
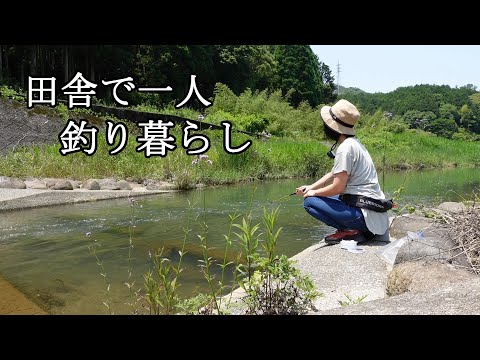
{"type": "Point", "coordinates": [341, 117]}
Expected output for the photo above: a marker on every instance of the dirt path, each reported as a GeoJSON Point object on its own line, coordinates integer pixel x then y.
{"type": "Point", "coordinates": [13, 302]}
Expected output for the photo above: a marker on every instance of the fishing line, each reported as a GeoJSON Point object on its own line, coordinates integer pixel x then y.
{"type": "Point", "coordinates": [285, 197]}
{"type": "Point", "coordinates": [383, 165]}
{"type": "Point", "coordinates": [249, 210]}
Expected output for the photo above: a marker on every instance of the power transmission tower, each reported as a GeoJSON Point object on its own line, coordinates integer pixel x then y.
{"type": "Point", "coordinates": [338, 78]}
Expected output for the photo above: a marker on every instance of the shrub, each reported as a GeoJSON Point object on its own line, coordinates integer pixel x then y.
{"type": "Point", "coordinates": [273, 285]}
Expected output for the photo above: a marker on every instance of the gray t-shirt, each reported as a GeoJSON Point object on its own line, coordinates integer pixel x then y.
{"type": "Point", "coordinates": [351, 156]}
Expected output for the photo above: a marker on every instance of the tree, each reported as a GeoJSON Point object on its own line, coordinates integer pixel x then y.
{"type": "Point", "coordinates": [328, 82]}
{"type": "Point", "coordinates": [265, 68]}
{"type": "Point", "coordinates": [172, 65]}
{"type": "Point", "coordinates": [470, 87]}
{"type": "Point", "coordinates": [245, 66]}
{"type": "Point", "coordinates": [419, 119]}
{"type": "Point", "coordinates": [419, 97]}
{"type": "Point", "coordinates": [299, 72]}
{"type": "Point", "coordinates": [448, 111]}
{"type": "Point", "coordinates": [471, 114]}
{"type": "Point", "coordinates": [475, 98]}
{"type": "Point", "coordinates": [442, 127]}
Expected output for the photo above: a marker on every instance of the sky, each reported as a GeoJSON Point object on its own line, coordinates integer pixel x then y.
{"type": "Point", "coordinates": [383, 68]}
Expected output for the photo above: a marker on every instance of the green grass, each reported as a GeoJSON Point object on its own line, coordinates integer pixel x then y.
{"type": "Point", "coordinates": [294, 150]}
{"type": "Point", "coordinates": [270, 159]}
{"type": "Point", "coordinates": [274, 158]}
{"type": "Point", "coordinates": [418, 150]}
{"type": "Point", "coordinates": [254, 112]}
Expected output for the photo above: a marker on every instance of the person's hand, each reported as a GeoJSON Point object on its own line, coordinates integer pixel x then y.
{"type": "Point", "coordinates": [300, 191]}
{"type": "Point", "coordinates": [309, 193]}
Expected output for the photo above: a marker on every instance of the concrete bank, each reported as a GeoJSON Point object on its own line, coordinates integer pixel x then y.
{"type": "Point", "coordinates": [338, 273]}
{"type": "Point", "coordinates": [18, 199]}
{"type": "Point", "coordinates": [454, 299]}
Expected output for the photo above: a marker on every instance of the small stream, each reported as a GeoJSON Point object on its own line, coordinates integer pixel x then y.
{"type": "Point", "coordinates": [45, 251]}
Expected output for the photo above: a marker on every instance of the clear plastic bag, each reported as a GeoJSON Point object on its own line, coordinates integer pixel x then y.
{"type": "Point", "coordinates": [389, 252]}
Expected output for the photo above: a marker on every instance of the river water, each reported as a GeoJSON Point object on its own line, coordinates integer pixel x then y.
{"type": "Point", "coordinates": [45, 252]}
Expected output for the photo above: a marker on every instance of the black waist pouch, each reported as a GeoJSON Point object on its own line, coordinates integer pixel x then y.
{"type": "Point", "coordinates": [366, 202]}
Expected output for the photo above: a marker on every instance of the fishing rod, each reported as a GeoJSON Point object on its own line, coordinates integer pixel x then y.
{"type": "Point", "coordinates": [264, 205]}
{"type": "Point", "coordinates": [389, 116]}
{"type": "Point", "coordinates": [274, 201]}
{"type": "Point", "coordinates": [283, 197]}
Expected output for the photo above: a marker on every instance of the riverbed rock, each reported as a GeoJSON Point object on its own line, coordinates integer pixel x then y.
{"type": "Point", "coordinates": [35, 184]}
{"type": "Point", "coordinates": [11, 183]}
{"type": "Point", "coordinates": [437, 242]}
{"type": "Point", "coordinates": [161, 185]}
{"type": "Point", "coordinates": [48, 299]}
{"type": "Point", "coordinates": [91, 184]}
{"type": "Point", "coordinates": [62, 185]}
{"type": "Point", "coordinates": [135, 185]}
{"type": "Point", "coordinates": [76, 184]}
{"type": "Point", "coordinates": [452, 207]}
{"type": "Point", "coordinates": [419, 276]}
{"type": "Point", "coordinates": [402, 224]}
{"type": "Point", "coordinates": [134, 179]}
{"type": "Point", "coordinates": [50, 182]}
{"type": "Point", "coordinates": [123, 185]}
{"type": "Point", "coordinates": [106, 181]}
{"type": "Point", "coordinates": [109, 186]}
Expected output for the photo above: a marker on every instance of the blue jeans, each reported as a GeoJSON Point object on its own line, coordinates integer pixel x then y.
{"type": "Point", "coordinates": [335, 213]}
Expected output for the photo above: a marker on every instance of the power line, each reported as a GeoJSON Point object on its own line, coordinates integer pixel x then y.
{"type": "Point", "coordinates": [338, 78]}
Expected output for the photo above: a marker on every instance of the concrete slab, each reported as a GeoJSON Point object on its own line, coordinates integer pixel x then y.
{"type": "Point", "coordinates": [456, 299]}
{"type": "Point", "coordinates": [337, 272]}
{"type": "Point", "coordinates": [17, 199]}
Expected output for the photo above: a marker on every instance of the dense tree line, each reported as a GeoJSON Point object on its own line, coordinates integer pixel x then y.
{"type": "Point", "coordinates": [443, 110]}
{"type": "Point", "coordinates": [294, 69]}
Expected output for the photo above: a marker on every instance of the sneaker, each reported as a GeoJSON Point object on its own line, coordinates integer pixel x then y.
{"type": "Point", "coordinates": [344, 235]}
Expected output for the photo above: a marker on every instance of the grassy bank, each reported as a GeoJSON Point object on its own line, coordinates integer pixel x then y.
{"type": "Point", "coordinates": [411, 150]}
{"type": "Point", "coordinates": [274, 158]}
{"type": "Point", "coordinates": [294, 150]}
{"type": "Point", "coordinates": [394, 146]}
{"type": "Point", "coordinates": [270, 159]}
